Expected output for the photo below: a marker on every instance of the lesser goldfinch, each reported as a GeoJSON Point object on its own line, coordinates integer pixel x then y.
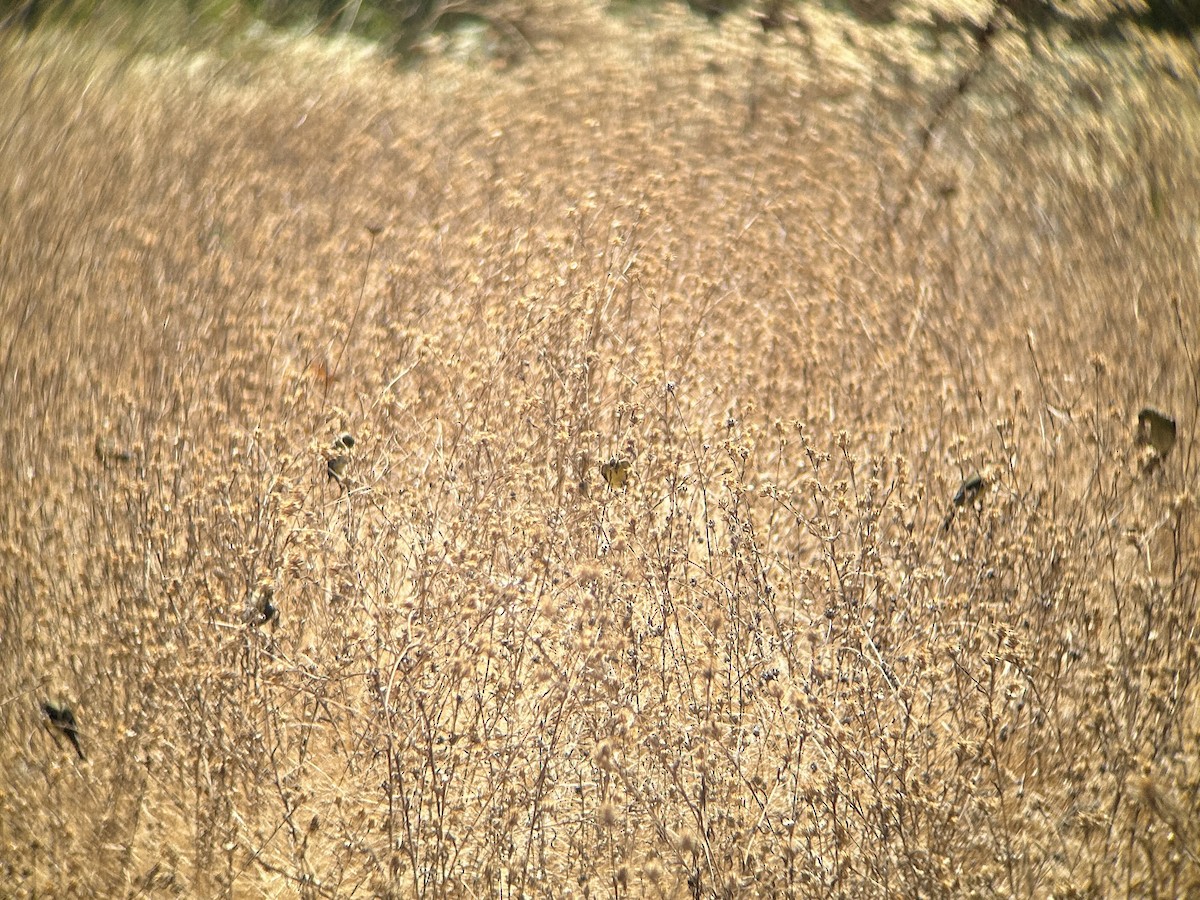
{"type": "Point", "coordinates": [335, 465]}
{"type": "Point", "coordinates": [1156, 429]}
{"type": "Point", "coordinates": [615, 472]}
{"type": "Point", "coordinates": [267, 611]}
{"type": "Point", "coordinates": [63, 719]}
{"type": "Point", "coordinates": [966, 493]}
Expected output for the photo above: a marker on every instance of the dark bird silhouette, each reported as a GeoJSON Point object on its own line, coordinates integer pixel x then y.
{"type": "Point", "coordinates": [966, 494]}
{"type": "Point", "coordinates": [1156, 435]}
{"type": "Point", "coordinates": [266, 611]}
{"type": "Point", "coordinates": [1156, 429]}
{"type": "Point", "coordinates": [63, 719]}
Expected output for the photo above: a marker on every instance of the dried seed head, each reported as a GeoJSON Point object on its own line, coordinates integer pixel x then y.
{"type": "Point", "coordinates": [606, 816]}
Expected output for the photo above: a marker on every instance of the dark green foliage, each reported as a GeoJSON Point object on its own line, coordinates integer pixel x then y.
{"type": "Point", "coordinates": [401, 25]}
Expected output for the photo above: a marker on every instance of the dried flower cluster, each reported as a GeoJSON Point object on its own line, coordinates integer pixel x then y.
{"type": "Point", "coordinates": [647, 468]}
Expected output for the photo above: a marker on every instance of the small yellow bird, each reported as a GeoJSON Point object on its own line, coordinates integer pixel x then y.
{"type": "Point", "coordinates": [615, 472]}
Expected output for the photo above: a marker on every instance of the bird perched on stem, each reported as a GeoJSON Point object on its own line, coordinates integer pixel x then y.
{"type": "Point", "coordinates": [615, 472]}
{"type": "Point", "coordinates": [336, 462]}
{"type": "Point", "coordinates": [261, 609]}
{"type": "Point", "coordinates": [966, 494]}
{"type": "Point", "coordinates": [1156, 432]}
{"type": "Point", "coordinates": [62, 719]}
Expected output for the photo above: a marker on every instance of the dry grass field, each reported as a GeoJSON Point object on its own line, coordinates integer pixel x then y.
{"type": "Point", "coordinates": [664, 349]}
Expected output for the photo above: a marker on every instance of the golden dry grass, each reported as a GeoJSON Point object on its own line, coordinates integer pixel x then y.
{"type": "Point", "coordinates": [762, 665]}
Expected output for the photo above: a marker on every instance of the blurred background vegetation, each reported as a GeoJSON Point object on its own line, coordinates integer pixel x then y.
{"type": "Point", "coordinates": [405, 27]}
